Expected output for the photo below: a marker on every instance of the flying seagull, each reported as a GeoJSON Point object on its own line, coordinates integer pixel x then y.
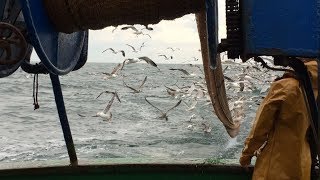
{"type": "Point", "coordinates": [115, 70]}
{"type": "Point", "coordinates": [171, 91]}
{"type": "Point", "coordinates": [130, 27]}
{"type": "Point", "coordinates": [143, 58]}
{"type": "Point", "coordinates": [115, 52]}
{"type": "Point", "coordinates": [133, 49]}
{"type": "Point", "coordinates": [148, 28]}
{"type": "Point", "coordinates": [192, 106]}
{"type": "Point", "coordinates": [114, 29]}
{"type": "Point", "coordinates": [163, 114]}
{"type": "Point", "coordinates": [139, 89]}
{"type": "Point", "coordinates": [106, 114]}
{"type": "Point", "coordinates": [136, 31]}
{"type": "Point", "coordinates": [173, 49]}
{"type": "Point", "coordinates": [206, 128]}
{"type": "Point", "coordinates": [165, 57]}
{"type": "Point", "coordinates": [142, 45]}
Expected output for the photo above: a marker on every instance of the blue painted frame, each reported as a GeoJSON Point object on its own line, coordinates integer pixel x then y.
{"type": "Point", "coordinates": [59, 52]}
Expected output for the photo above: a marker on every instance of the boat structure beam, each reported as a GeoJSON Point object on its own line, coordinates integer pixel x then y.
{"type": "Point", "coordinates": [63, 119]}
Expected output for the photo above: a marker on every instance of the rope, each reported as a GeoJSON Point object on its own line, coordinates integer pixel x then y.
{"type": "Point", "coordinates": [35, 91]}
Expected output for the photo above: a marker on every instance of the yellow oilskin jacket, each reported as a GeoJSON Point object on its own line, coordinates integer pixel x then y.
{"type": "Point", "coordinates": [279, 136]}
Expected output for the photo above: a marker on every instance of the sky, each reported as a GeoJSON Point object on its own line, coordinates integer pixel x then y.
{"type": "Point", "coordinates": [179, 33]}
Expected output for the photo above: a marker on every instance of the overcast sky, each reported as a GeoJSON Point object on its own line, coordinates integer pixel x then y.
{"type": "Point", "coordinates": [180, 33]}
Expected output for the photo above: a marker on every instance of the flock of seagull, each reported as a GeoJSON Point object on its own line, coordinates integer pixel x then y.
{"type": "Point", "coordinates": [245, 80]}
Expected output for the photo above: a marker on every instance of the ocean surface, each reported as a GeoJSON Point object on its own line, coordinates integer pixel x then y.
{"type": "Point", "coordinates": [135, 130]}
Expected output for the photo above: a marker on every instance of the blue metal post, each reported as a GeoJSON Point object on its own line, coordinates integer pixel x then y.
{"type": "Point", "coordinates": [63, 119]}
{"type": "Point", "coordinates": [212, 31]}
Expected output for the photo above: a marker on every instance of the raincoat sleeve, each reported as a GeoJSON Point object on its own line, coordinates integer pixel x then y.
{"type": "Point", "coordinates": [266, 115]}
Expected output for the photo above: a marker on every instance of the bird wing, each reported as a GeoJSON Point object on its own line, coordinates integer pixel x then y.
{"type": "Point", "coordinates": [186, 104]}
{"type": "Point", "coordinates": [108, 92]}
{"type": "Point", "coordinates": [114, 28]}
{"type": "Point", "coordinates": [109, 49]}
{"type": "Point", "coordinates": [164, 56]}
{"type": "Point", "coordinates": [170, 48]}
{"type": "Point", "coordinates": [123, 53]}
{"type": "Point", "coordinates": [146, 35]}
{"type": "Point", "coordinates": [228, 78]}
{"type": "Point", "coordinates": [131, 47]}
{"type": "Point", "coordinates": [153, 105]}
{"type": "Point", "coordinates": [182, 70]}
{"type": "Point", "coordinates": [109, 104]}
{"type": "Point", "coordinates": [142, 45]}
{"type": "Point", "coordinates": [145, 79]}
{"type": "Point", "coordinates": [117, 96]}
{"type": "Point", "coordinates": [193, 105]}
{"type": "Point", "coordinates": [132, 88]}
{"type": "Point", "coordinates": [170, 88]}
{"type": "Point", "coordinates": [108, 74]}
{"type": "Point", "coordinates": [174, 106]}
{"type": "Point", "coordinates": [149, 61]}
{"type": "Point", "coordinates": [130, 27]}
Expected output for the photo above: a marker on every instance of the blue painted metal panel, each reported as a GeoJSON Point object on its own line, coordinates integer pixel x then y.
{"type": "Point", "coordinates": [286, 27]}
{"type": "Point", "coordinates": [59, 52]}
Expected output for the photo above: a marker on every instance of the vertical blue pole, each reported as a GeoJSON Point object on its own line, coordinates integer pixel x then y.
{"type": "Point", "coordinates": [63, 119]}
{"type": "Point", "coordinates": [212, 31]}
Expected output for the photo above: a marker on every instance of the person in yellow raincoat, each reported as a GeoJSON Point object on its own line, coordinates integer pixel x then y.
{"type": "Point", "coordinates": [279, 136]}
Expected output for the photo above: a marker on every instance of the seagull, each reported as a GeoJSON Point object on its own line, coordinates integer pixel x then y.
{"type": "Point", "coordinates": [206, 128]}
{"type": "Point", "coordinates": [192, 106]}
{"type": "Point", "coordinates": [198, 67]}
{"type": "Point", "coordinates": [81, 115]}
{"type": "Point", "coordinates": [193, 116]}
{"type": "Point", "coordinates": [115, 70]}
{"type": "Point", "coordinates": [143, 58]}
{"type": "Point", "coordinates": [200, 93]}
{"type": "Point", "coordinates": [147, 28]}
{"type": "Point", "coordinates": [165, 57]}
{"type": "Point", "coordinates": [139, 89]}
{"type": "Point", "coordinates": [142, 45]}
{"type": "Point", "coordinates": [115, 52]}
{"type": "Point", "coordinates": [130, 27]}
{"type": "Point", "coordinates": [173, 49]}
{"type": "Point", "coordinates": [191, 89]}
{"type": "Point", "coordinates": [182, 70]}
{"type": "Point", "coordinates": [136, 31]}
{"type": "Point", "coordinates": [195, 59]}
{"type": "Point", "coordinates": [188, 61]}
{"type": "Point", "coordinates": [114, 29]}
{"type": "Point", "coordinates": [106, 114]}
{"type": "Point", "coordinates": [163, 114]}
{"type": "Point", "coordinates": [141, 33]}
{"type": "Point", "coordinates": [171, 91]}
{"type": "Point", "coordinates": [134, 49]}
